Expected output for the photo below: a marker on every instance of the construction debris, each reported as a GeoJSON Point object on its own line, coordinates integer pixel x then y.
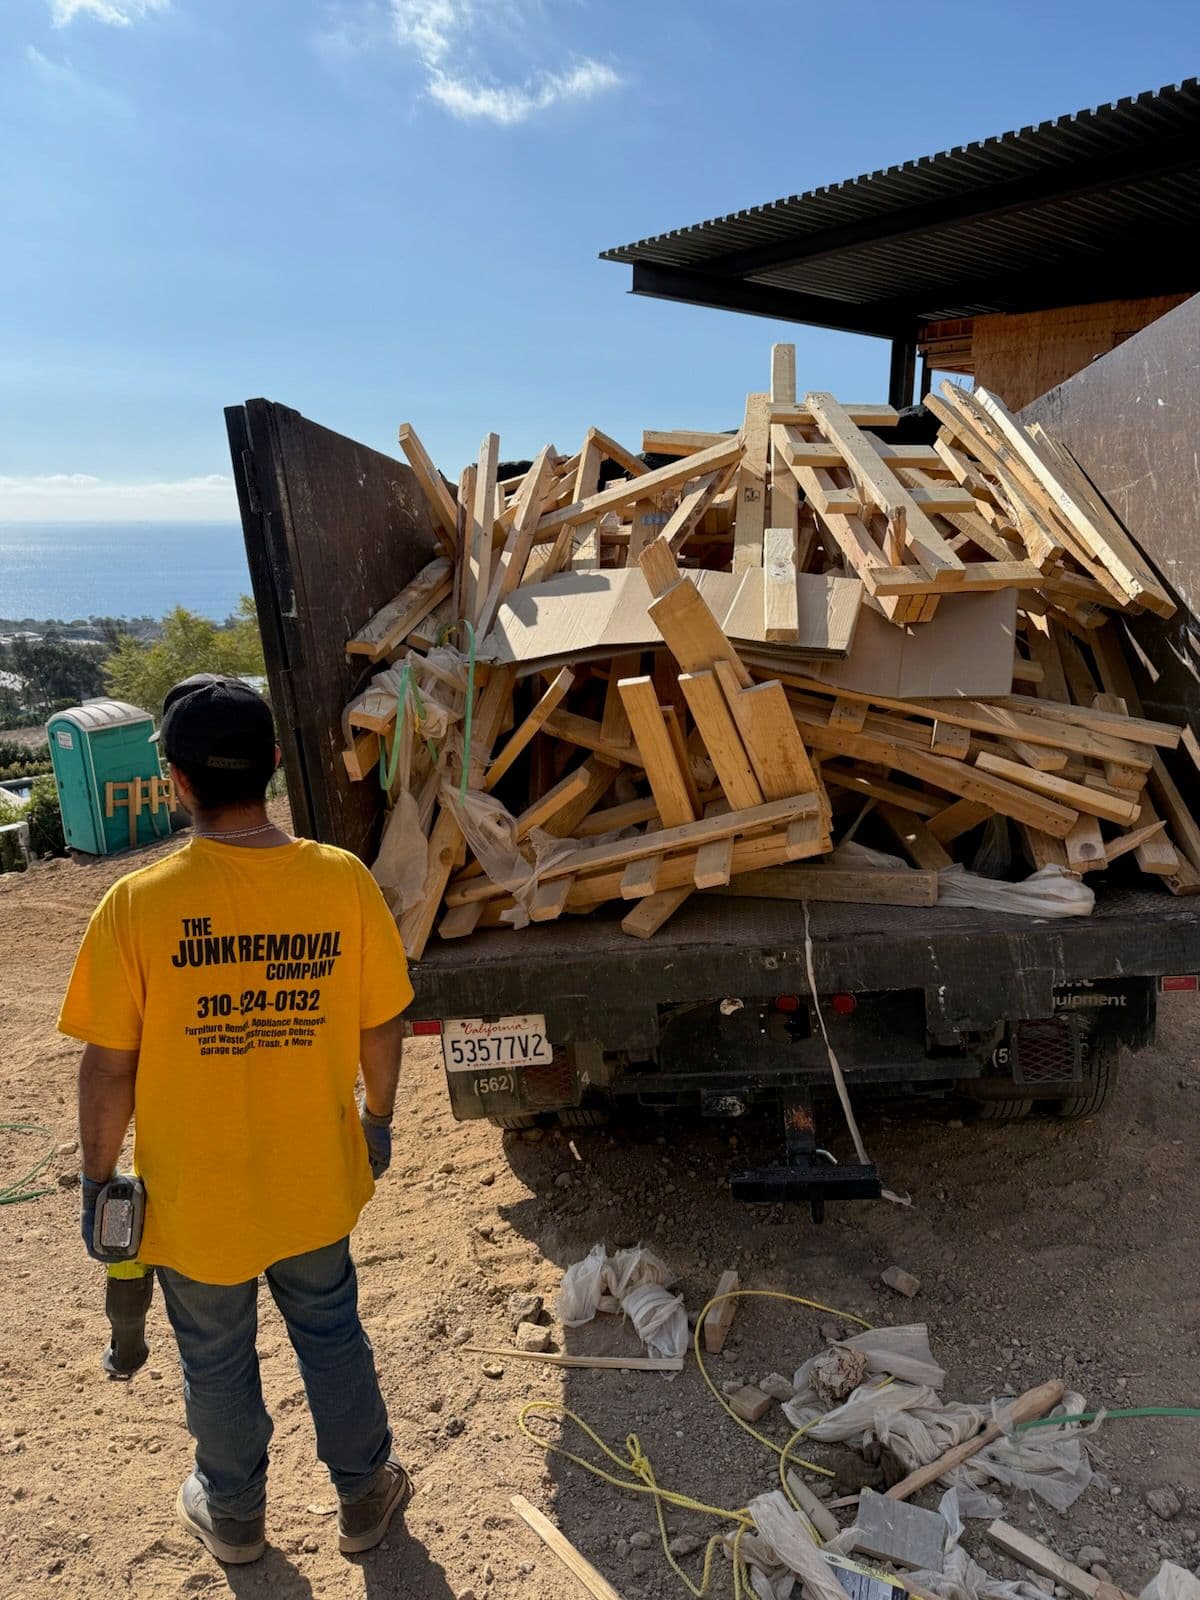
{"type": "Point", "coordinates": [622, 689]}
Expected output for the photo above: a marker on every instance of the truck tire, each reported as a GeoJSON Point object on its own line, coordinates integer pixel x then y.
{"type": "Point", "coordinates": [514, 1123]}
{"type": "Point", "coordinates": [583, 1117]}
{"type": "Point", "coordinates": [1002, 1110]}
{"type": "Point", "coordinates": [1098, 1091]}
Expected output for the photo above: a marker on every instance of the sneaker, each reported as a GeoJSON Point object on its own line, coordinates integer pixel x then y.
{"type": "Point", "coordinates": [234, 1540]}
{"type": "Point", "coordinates": [362, 1523]}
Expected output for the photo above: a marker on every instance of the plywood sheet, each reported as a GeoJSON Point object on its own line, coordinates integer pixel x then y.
{"type": "Point", "coordinates": [576, 616]}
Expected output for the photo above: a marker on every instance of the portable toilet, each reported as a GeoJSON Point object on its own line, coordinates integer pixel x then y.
{"type": "Point", "coordinates": [104, 767]}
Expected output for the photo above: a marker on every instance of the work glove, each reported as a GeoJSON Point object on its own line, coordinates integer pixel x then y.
{"type": "Point", "coordinates": [377, 1131]}
{"type": "Point", "coordinates": [89, 1194]}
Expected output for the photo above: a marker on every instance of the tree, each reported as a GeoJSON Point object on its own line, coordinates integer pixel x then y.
{"type": "Point", "coordinates": [142, 673]}
{"type": "Point", "coordinates": [53, 670]}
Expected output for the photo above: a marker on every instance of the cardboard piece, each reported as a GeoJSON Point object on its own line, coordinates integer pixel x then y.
{"type": "Point", "coordinates": [598, 612]}
{"type": "Point", "coordinates": [967, 649]}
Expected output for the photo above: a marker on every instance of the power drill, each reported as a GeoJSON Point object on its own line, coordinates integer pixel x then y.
{"type": "Point", "coordinates": [128, 1292]}
{"type": "Point", "coordinates": [129, 1288]}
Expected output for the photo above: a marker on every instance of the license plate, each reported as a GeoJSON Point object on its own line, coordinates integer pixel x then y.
{"type": "Point", "coordinates": [469, 1043]}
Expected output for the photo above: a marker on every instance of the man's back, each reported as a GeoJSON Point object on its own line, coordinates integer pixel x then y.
{"type": "Point", "coordinates": [243, 977]}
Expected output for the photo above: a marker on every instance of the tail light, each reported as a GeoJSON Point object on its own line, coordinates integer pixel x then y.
{"type": "Point", "coordinates": [845, 1005]}
{"type": "Point", "coordinates": [423, 1029]}
{"type": "Point", "coordinates": [786, 1003]}
{"type": "Point", "coordinates": [1183, 982]}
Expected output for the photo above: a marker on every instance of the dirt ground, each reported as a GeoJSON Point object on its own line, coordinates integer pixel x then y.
{"type": "Point", "coordinates": [1043, 1250]}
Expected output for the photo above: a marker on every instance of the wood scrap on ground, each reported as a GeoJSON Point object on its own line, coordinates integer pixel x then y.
{"type": "Point", "coordinates": [750, 637]}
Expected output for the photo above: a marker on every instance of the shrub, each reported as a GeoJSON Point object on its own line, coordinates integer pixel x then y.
{"type": "Point", "coordinates": [12, 858]}
{"type": "Point", "coordinates": [45, 819]}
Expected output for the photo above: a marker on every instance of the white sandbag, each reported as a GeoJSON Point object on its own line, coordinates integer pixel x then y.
{"type": "Point", "coordinates": [1172, 1583]}
{"type": "Point", "coordinates": [660, 1319]}
{"type": "Point", "coordinates": [579, 1292]}
{"type": "Point", "coordinates": [863, 1414]}
{"type": "Point", "coordinates": [924, 1433]}
{"type": "Point", "coordinates": [901, 1352]}
{"type": "Point", "coordinates": [1052, 1462]}
{"type": "Point", "coordinates": [491, 831]}
{"type": "Point", "coordinates": [787, 1532]}
{"type": "Point", "coordinates": [961, 1578]}
{"type": "Point", "coordinates": [1050, 892]}
{"type": "Point", "coordinates": [631, 1268]}
{"type": "Point", "coordinates": [401, 864]}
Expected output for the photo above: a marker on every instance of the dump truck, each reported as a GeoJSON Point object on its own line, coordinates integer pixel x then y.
{"type": "Point", "coordinates": [737, 1002]}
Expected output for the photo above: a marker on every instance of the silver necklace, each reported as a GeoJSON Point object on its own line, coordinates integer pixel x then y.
{"type": "Point", "coordinates": [235, 833]}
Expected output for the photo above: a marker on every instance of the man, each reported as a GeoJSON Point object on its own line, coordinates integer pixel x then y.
{"type": "Point", "coordinates": [228, 994]}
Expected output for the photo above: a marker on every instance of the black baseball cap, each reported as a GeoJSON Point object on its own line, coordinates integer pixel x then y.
{"type": "Point", "coordinates": [218, 723]}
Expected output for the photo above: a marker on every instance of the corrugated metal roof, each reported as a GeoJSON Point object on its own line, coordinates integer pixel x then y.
{"type": "Point", "coordinates": [1101, 204]}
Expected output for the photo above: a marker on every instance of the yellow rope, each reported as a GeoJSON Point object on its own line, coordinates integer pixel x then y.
{"type": "Point", "coordinates": [639, 1473]}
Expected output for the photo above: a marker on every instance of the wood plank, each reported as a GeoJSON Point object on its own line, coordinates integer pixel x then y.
{"type": "Point", "coordinates": [478, 577]}
{"type": "Point", "coordinates": [511, 562]}
{"type": "Point", "coordinates": [362, 757]}
{"type": "Point", "coordinates": [567, 789]}
{"type": "Point", "coordinates": [951, 822]}
{"type": "Point", "coordinates": [783, 374]}
{"type": "Point", "coordinates": [556, 1358]}
{"type": "Point", "coordinates": [1084, 846]}
{"type": "Point", "coordinates": [591, 857]}
{"type": "Point", "coordinates": [838, 885]}
{"type": "Point", "coordinates": [781, 599]}
{"type": "Point", "coordinates": [921, 847]}
{"type": "Point", "coordinates": [1092, 523]}
{"type": "Point", "coordinates": [614, 724]}
{"type": "Point", "coordinates": [866, 781]}
{"type": "Point", "coordinates": [1045, 850]}
{"type": "Point", "coordinates": [626, 492]}
{"type": "Point", "coordinates": [957, 777]}
{"type": "Point", "coordinates": [750, 483]}
{"type": "Point", "coordinates": [768, 730]}
{"type": "Point", "coordinates": [613, 451]}
{"type": "Point", "coordinates": [640, 878]}
{"type": "Point", "coordinates": [1155, 853]}
{"type": "Point", "coordinates": [391, 625]}
{"type": "Point", "coordinates": [548, 900]}
{"type": "Point", "coordinates": [585, 547]}
{"type": "Point", "coordinates": [714, 864]}
{"type": "Point", "coordinates": [678, 441]}
{"type": "Point", "coordinates": [719, 1320]}
{"type": "Point", "coordinates": [713, 718]}
{"type": "Point", "coordinates": [1041, 756]}
{"type": "Point", "coordinates": [783, 495]}
{"type": "Point", "coordinates": [569, 817]}
{"type": "Point", "coordinates": [588, 735]}
{"type": "Point", "coordinates": [460, 921]}
{"type": "Point", "coordinates": [881, 486]}
{"type": "Point", "coordinates": [1081, 796]}
{"type": "Point", "coordinates": [1133, 840]}
{"type": "Point", "coordinates": [864, 416]}
{"type": "Point", "coordinates": [695, 501]}
{"type": "Point", "coordinates": [441, 502]}
{"type": "Point", "coordinates": [658, 754]}
{"type": "Point", "coordinates": [648, 916]}
{"type": "Point", "coordinates": [692, 634]}
{"type": "Point", "coordinates": [553, 697]}
{"type": "Point", "coordinates": [1040, 1558]}
{"type": "Point", "coordinates": [659, 566]}
{"type": "Point", "coordinates": [579, 1568]}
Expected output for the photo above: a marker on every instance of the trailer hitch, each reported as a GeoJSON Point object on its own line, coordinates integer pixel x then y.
{"type": "Point", "coordinates": [810, 1173]}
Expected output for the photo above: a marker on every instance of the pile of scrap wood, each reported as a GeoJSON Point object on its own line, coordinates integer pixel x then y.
{"type": "Point", "coordinates": [689, 668]}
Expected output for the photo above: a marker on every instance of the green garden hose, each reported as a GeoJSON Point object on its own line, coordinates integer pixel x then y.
{"type": "Point", "coordinates": [12, 1193]}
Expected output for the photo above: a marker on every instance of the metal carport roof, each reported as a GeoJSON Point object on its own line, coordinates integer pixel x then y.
{"type": "Point", "coordinates": [1099, 205]}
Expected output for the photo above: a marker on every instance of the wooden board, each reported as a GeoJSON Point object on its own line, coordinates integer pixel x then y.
{"type": "Point", "coordinates": [620, 494]}
{"type": "Point", "coordinates": [768, 730]}
{"type": "Point", "coordinates": [713, 718]}
{"type": "Point", "coordinates": [478, 577]}
{"type": "Point", "coordinates": [392, 624]}
{"type": "Point", "coordinates": [750, 483]}
{"type": "Point", "coordinates": [1038, 1557]}
{"type": "Point", "coordinates": [442, 509]}
{"type": "Point", "coordinates": [781, 600]}
{"type": "Point", "coordinates": [650, 734]}
{"type": "Point", "coordinates": [555, 694]}
{"type": "Point", "coordinates": [579, 1568]}
{"type": "Point", "coordinates": [720, 1319]}
{"type": "Point", "coordinates": [836, 884]}
{"type": "Point", "coordinates": [692, 634]}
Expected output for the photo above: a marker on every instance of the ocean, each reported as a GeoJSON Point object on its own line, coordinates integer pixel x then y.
{"type": "Point", "coordinates": [74, 570]}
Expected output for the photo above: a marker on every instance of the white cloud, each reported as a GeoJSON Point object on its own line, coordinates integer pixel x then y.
{"type": "Point", "coordinates": [437, 32]}
{"type": "Point", "coordinates": [117, 13]}
{"type": "Point", "coordinates": [509, 104]}
{"type": "Point", "coordinates": [81, 496]}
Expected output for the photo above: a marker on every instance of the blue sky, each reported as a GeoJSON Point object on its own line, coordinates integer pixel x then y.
{"type": "Point", "coordinates": [388, 210]}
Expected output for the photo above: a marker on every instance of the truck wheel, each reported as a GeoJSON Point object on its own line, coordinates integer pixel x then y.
{"type": "Point", "coordinates": [517, 1121]}
{"type": "Point", "coordinates": [1002, 1110]}
{"type": "Point", "coordinates": [583, 1117]}
{"type": "Point", "coordinates": [1098, 1091]}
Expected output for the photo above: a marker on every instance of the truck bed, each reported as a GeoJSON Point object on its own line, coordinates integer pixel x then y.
{"type": "Point", "coordinates": [973, 966]}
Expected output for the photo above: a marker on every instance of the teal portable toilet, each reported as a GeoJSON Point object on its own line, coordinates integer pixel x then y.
{"type": "Point", "coordinates": [91, 746]}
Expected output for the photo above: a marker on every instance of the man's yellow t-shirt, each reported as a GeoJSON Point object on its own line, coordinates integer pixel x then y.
{"type": "Point", "coordinates": [242, 977]}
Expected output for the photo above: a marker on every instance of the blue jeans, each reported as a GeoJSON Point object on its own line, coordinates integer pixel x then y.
{"type": "Point", "coordinates": [216, 1326]}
